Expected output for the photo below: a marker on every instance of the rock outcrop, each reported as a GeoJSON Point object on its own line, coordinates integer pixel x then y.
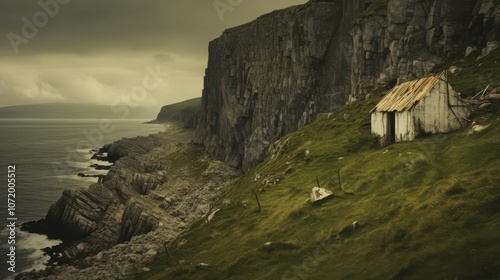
{"type": "Point", "coordinates": [270, 77]}
{"type": "Point", "coordinates": [136, 220]}
{"type": "Point", "coordinates": [147, 199]}
{"type": "Point", "coordinates": [77, 213]}
{"type": "Point", "coordinates": [404, 40]}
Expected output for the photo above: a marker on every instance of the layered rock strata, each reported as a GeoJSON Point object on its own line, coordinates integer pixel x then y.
{"type": "Point", "coordinates": [148, 198]}
{"type": "Point", "coordinates": [405, 40]}
{"type": "Point", "coordinates": [269, 77]}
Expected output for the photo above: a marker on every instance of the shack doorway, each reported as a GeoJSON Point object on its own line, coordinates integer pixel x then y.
{"type": "Point", "coordinates": [391, 127]}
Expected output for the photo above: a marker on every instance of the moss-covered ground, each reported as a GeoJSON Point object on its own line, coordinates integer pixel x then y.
{"type": "Point", "coordinates": [428, 209]}
{"type": "Point", "coordinates": [476, 74]}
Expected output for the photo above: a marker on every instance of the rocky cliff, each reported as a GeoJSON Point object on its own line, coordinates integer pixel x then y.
{"type": "Point", "coordinates": [270, 77]}
{"type": "Point", "coordinates": [264, 79]}
{"type": "Point", "coordinates": [184, 112]}
{"type": "Point", "coordinates": [404, 40]}
{"type": "Point", "coordinates": [158, 187]}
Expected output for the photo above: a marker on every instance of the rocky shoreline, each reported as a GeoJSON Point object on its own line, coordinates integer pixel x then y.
{"type": "Point", "coordinates": [157, 188]}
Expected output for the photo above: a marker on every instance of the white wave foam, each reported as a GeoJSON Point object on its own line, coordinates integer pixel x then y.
{"type": "Point", "coordinates": [29, 250]}
{"type": "Point", "coordinates": [86, 151]}
{"type": "Point", "coordinates": [31, 245]}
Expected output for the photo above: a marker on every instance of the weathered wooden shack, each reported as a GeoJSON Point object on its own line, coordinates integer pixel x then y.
{"type": "Point", "coordinates": [424, 106]}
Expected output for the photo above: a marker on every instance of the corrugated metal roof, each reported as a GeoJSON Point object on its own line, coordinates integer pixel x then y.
{"type": "Point", "coordinates": [403, 97]}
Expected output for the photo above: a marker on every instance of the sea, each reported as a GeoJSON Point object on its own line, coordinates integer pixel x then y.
{"type": "Point", "coordinates": [47, 155]}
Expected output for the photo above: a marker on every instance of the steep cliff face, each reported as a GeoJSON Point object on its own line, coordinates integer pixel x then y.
{"type": "Point", "coordinates": [404, 40]}
{"type": "Point", "coordinates": [269, 77]}
{"type": "Point", "coordinates": [184, 112]}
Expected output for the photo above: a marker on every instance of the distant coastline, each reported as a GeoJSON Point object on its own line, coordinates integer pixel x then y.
{"type": "Point", "coordinates": [77, 111]}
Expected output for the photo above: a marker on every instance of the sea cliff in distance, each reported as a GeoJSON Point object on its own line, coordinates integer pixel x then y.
{"type": "Point", "coordinates": [185, 112]}
{"type": "Point", "coordinates": [77, 111]}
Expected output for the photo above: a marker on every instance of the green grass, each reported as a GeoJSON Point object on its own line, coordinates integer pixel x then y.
{"type": "Point", "coordinates": [376, 6]}
{"type": "Point", "coordinates": [475, 74]}
{"type": "Point", "coordinates": [428, 209]}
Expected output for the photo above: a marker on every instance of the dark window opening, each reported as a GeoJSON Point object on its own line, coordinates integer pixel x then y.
{"type": "Point", "coordinates": [391, 126]}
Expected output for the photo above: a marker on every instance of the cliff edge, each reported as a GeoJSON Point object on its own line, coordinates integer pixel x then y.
{"type": "Point", "coordinates": [269, 77]}
{"type": "Point", "coordinates": [185, 112]}
{"type": "Point", "coordinates": [272, 76]}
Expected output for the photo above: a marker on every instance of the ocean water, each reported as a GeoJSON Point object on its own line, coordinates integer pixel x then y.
{"type": "Point", "coordinates": [48, 154]}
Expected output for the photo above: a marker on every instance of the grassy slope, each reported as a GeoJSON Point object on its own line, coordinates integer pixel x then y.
{"type": "Point", "coordinates": [476, 74]}
{"type": "Point", "coordinates": [427, 209]}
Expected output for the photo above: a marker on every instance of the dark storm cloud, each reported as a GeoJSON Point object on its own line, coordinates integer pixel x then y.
{"type": "Point", "coordinates": [104, 45]}
{"type": "Point", "coordinates": [96, 25]}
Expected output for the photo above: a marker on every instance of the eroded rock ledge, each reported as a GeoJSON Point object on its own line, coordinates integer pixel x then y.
{"type": "Point", "coordinates": [160, 186]}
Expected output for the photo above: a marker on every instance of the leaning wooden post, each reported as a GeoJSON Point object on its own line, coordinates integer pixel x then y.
{"type": "Point", "coordinates": [317, 182]}
{"type": "Point", "coordinates": [258, 202]}
{"type": "Point", "coordinates": [340, 183]}
{"type": "Point", "coordinates": [165, 244]}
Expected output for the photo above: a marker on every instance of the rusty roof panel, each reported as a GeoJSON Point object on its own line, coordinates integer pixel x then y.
{"type": "Point", "coordinates": [403, 97]}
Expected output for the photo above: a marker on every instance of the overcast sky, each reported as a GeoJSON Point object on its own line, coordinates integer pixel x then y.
{"type": "Point", "coordinates": [100, 51]}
